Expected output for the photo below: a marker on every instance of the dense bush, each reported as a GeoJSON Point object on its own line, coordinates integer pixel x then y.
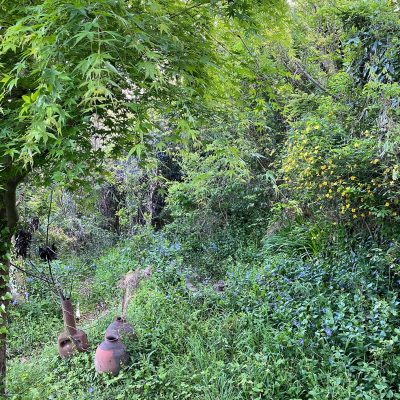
{"type": "Point", "coordinates": [341, 155]}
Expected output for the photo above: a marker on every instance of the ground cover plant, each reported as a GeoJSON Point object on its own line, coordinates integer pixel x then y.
{"type": "Point", "coordinates": [284, 328]}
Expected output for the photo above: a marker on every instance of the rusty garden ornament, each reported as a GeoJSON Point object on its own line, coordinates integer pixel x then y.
{"type": "Point", "coordinates": [72, 339]}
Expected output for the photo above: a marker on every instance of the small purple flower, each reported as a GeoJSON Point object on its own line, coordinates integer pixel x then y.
{"type": "Point", "coordinates": [376, 273]}
{"type": "Point", "coordinates": [176, 246]}
{"type": "Point", "coordinates": [213, 247]}
{"type": "Point", "coordinates": [29, 279]}
{"type": "Point", "coordinates": [301, 342]}
{"type": "Point", "coordinates": [14, 302]}
{"type": "Point", "coordinates": [91, 390]}
{"type": "Point", "coordinates": [328, 331]}
{"type": "Point", "coordinates": [26, 296]}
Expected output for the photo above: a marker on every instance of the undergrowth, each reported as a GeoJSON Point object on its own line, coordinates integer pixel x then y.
{"type": "Point", "coordinates": [286, 327]}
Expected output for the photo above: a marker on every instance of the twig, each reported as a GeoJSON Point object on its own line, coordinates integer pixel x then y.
{"type": "Point", "coordinates": [70, 288]}
{"type": "Point", "coordinates": [186, 9]}
{"type": "Point", "coordinates": [250, 52]}
{"type": "Point", "coordinates": [55, 284]}
{"type": "Point", "coordinates": [40, 277]}
{"type": "Point", "coordinates": [314, 81]}
{"type": "Point", "coordinates": [287, 61]}
{"type": "Point", "coordinates": [48, 217]}
{"type": "Point", "coordinates": [53, 281]}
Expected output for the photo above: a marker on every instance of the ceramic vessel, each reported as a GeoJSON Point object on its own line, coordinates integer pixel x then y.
{"type": "Point", "coordinates": [110, 355]}
{"type": "Point", "coordinates": [121, 328]}
{"type": "Point", "coordinates": [72, 338]}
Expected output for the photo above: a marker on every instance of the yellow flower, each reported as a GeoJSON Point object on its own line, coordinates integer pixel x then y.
{"type": "Point", "coordinates": [375, 161]}
{"type": "Point", "coordinates": [323, 167]}
{"type": "Point", "coordinates": [354, 216]}
{"type": "Point", "coordinates": [387, 204]}
{"type": "Point", "coordinates": [325, 183]}
{"type": "Point", "coordinates": [352, 177]}
{"type": "Point", "coordinates": [317, 127]}
{"type": "Point", "coordinates": [353, 210]}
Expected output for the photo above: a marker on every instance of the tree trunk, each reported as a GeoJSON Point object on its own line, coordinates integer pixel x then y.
{"type": "Point", "coordinates": [8, 222]}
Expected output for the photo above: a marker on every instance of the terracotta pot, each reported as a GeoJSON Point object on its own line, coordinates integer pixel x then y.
{"type": "Point", "coordinates": [71, 339]}
{"type": "Point", "coordinates": [121, 328]}
{"type": "Point", "coordinates": [110, 355]}
{"type": "Point", "coordinates": [67, 343]}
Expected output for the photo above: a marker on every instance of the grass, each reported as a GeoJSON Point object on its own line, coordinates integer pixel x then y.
{"type": "Point", "coordinates": [284, 328]}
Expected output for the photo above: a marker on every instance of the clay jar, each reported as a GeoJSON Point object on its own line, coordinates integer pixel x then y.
{"type": "Point", "coordinates": [71, 339]}
{"type": "Point", "coordinates": [121, 328]}
{"type": "Point", "coordinates": [110, 355]}
{"type": "Point", "coordinates": [67, 343]}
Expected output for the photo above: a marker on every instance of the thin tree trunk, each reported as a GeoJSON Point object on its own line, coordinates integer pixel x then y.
{"type": "Point", "coordinates": [8, 222]}
{"type": "Point", "coordinates": [4, 246]}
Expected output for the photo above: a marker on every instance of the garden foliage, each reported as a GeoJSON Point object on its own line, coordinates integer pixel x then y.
{"type": "Point", "coordinates": [258, 145]}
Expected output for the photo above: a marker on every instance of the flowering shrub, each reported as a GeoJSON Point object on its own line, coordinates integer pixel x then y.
{"type": "Point", "coordinates": [342, 176]}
